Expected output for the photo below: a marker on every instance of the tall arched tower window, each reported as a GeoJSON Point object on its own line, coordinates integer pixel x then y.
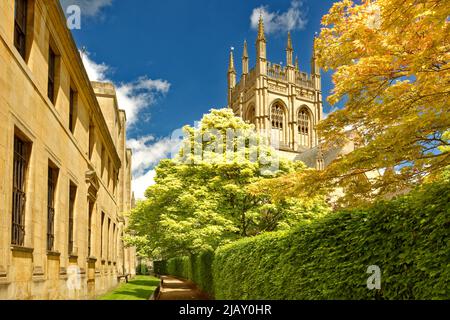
{"type": "Point", "coordinates": [250, 117]}
{"type": "Point", "coordinates": [304, 127]}
{"type": "Point", "coordinates": [277, 117]}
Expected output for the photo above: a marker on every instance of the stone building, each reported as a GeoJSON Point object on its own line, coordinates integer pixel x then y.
{"type": "Point", "coordinates": [65, 171]}
{"type": "Point", "coordinates": [283, 102]}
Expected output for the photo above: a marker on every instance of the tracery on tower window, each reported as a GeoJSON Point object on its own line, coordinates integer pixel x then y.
{"type": "Point", "coordinates": [303, 121]}
{"type": "Point", "coordinates": [304, 127]}
{"type": "Point", "coordinates": [277, 116]}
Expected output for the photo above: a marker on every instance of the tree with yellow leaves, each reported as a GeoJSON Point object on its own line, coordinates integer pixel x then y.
{"type": "Point", "coordinates": [391, 72]}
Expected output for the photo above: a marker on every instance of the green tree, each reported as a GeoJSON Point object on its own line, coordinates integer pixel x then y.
{"type": "Point", "coordinates": [200, 199]}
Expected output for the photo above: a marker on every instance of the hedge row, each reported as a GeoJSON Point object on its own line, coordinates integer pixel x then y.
{"type": "Point", "coordinates": [197, 268]}
{"type": "Point", "coordinates": [160, 267]}
{"type": "Point", "coordinates": [407, 238]}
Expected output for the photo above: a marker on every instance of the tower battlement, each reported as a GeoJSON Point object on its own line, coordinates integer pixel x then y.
{"type": "Point", "coordinates": [281, 101]}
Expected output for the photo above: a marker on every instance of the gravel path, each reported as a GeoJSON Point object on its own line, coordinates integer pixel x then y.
{"type": "Point", "coordinates": [178, 289]}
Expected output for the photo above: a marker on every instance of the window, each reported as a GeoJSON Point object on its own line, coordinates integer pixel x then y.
{"type": "Point", "coordinates": [51, 74]}
{"type": "Point", "coordinates": [72, 196]}
{"type": "Point", "coordinates": [109, 171]}
{"type": "Point", "coordinates": [108, 240]}
{"type": "Point", "coordinates": [304, 127]}
{"type": "Point", "coordinates": [114, 242]}
{"type": "Point", "coordinates": [303, 122]}
{"type": "Point", "coordinates": [251, 115]}
{"type": "Point", "coordinates": [103, 161]}
{"type": "Point", "coordinates": [101, 234]}
{"type": "Point", "coordinates": [20, 25]}
{"type": "Point", "coordinates": [20, 166]}
{"type": "Point", "coordinates": [91, 210]}
{"type": "Point", "coordinates": [277, 116]}
{"type": "Point", "coordinates": [72, 106]}
{"type": "Point", "coordinates": [114, 181]}
{"type": "Point", "coordinates": [51, 183]}
{"type": "Point", "coordinates": [91, 139]}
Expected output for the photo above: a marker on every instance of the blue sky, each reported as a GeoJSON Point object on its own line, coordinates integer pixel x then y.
{"type": "Point", "coordinates": [169, 58]}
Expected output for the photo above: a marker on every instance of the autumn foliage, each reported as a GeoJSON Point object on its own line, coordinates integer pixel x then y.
{"type": "Point", "coordinates": [391, 75]}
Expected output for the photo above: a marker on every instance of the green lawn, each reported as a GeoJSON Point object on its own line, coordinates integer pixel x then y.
{"type": "Point", "coordinates": [140, 288]}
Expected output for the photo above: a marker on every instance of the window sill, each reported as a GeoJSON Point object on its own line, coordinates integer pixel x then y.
{"type": "Point", "coordinates": [4, 282]}
{"type": "Point", "coordinates": [63, 273]}
{"type": "Point", "coordinates": [21, 249]}
{"type": "Point", "coordinates": [4, 277]}
{"type": "Point", "coordinates": [53, 254]}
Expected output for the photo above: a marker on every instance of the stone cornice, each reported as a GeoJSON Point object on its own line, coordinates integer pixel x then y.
{"type": "Point", "coordinates": [79, 72]}
{"type": "Point", "coordinates": [22, 249]}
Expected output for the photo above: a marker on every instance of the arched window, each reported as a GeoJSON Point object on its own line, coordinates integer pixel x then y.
{"type": "Point", "coordinates": [303, 122]}
{"type": "Point", "coordinates": [251, 115]}
{"type": "Point", "coordinates": [277, 116]}
{"type": "Point", "coordinates": [304, 127]}
{"type": "Point", "coordinates": [278, 134]}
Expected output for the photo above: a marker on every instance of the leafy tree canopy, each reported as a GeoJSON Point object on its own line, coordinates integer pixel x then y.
{"type": "Point", "coordinates": [391, 74]}
{"type": "Point", "coordinates": [200, 199]}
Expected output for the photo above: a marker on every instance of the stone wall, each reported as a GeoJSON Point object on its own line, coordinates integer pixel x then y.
{"type": "Point", "coordinates": [30, 271]}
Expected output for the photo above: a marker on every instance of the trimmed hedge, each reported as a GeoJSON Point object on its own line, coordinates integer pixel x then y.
{"type": "Point", "coordinates": [197, 268]}
{"type": "Point", "coordinates": [408, 238]}
{"type": "Point", "coordinates": [160, 267]}
{"type": "Point", "coordinates": [142, 269]}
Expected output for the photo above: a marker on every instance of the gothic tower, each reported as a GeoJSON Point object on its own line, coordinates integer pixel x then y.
{"type": "Point", "coordinates": [283, 102]}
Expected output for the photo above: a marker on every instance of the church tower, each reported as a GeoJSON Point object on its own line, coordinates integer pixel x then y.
{"type": "Point", "coordinates": [283, 102]}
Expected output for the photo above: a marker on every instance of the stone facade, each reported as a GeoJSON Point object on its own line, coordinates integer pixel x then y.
{"type": "Point", "coordinates": [64, 167]}
{"type": "Point", "coordinates": [283, 102]}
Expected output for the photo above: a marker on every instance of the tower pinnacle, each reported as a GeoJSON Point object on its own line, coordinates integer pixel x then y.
{"type": "Point", "coordinates": [261, 47]}
{"type": "Point", "coordinates": [315, 69]}
{"type": "Point", "coordinates": [289, 42]}
{"type": "Point", "coordinates": [245, 52]}
{"type": "Point", "coordinates": [289, 50]}
{"type": "Point", "coordinates": [231, 61]}
{"type": "Point", "coordinates": [231, 76]}
{"type": "Point", "coordinates": [261, 36]}
{"type": "Point", "coordinates": [245, 59]}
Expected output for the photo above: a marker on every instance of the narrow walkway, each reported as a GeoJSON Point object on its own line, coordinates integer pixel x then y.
{"type": "Point", "coordinates": [178, 289]}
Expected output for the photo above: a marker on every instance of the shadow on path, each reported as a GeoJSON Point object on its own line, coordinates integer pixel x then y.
{"type": "Point", "coordinates": [179, 289]}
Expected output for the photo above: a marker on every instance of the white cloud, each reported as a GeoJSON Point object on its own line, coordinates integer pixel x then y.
{"type": "Point", "coordinates": [88, 8]}
{"type": "Point", "coordinates": [141, 184]}
{"type": "Point", "coordinates": [293, 19]}
{"type": "Point", "coordinates": [148, 152]}
{"type": "Point", "coordinates": [133, 97]}
{"type": "Point", "coordinates": [95, 71]}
